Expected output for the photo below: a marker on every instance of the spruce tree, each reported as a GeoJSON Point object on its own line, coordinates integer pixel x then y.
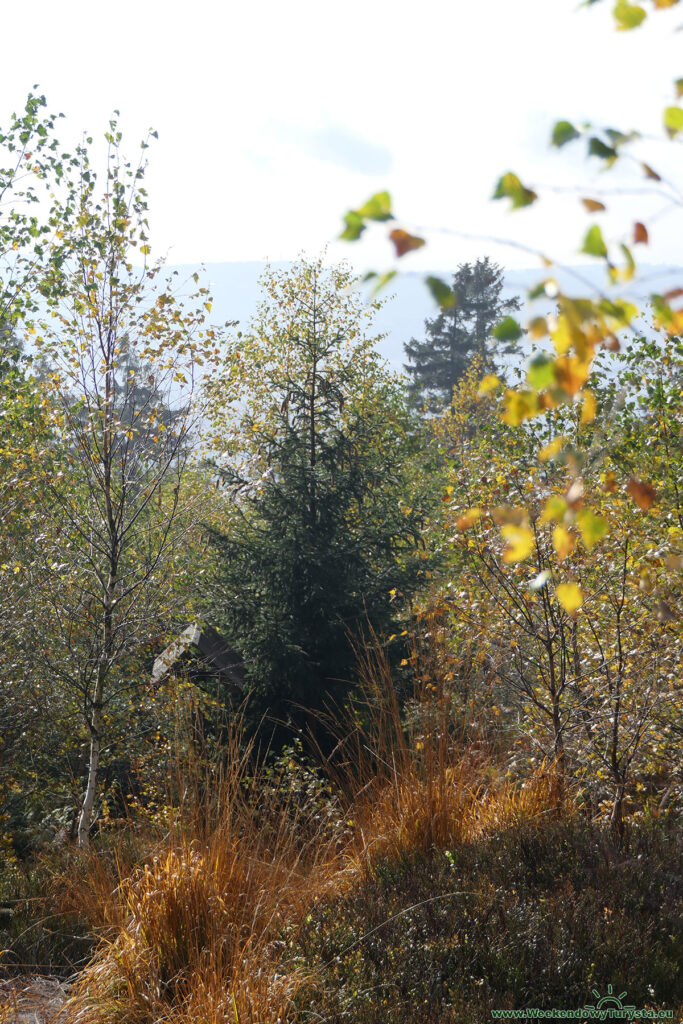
{"type": "Point", "coordinates": [329, 492]}
{"type": "Point", "coordinates": [458, 333]}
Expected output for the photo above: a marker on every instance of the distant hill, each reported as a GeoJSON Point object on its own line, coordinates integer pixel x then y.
{"type": "Point", "coordinates": [236, 295]}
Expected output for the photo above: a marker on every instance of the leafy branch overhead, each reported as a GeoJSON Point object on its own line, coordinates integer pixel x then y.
{"type": "Point", "coordinates": [580, 327]}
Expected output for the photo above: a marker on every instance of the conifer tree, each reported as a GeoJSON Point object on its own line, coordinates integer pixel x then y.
{"type": "Point", "coordinates": [457, 333]}
{"type": "Point", "coordinates": [328, 502]}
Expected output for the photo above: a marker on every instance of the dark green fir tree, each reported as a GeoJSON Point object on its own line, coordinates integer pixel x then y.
{"type": "Point", "coordinates": [458, 333]}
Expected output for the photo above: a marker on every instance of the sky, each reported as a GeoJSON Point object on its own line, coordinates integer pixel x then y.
{"type": "Point", "coordinates": [275, 118]}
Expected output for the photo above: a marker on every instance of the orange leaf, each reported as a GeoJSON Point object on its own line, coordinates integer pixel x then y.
{"type": "Point", "coordinates": [405, 242]}
{"type": "Point", "coordinates": [593, 205]}
{"type": "Point", "coordinates": [643, 494]}
{"type": "Point", "coordinates": [650, 173]}
{"type": "Point", "coordinates": [610, 484]}
{"type": "Point", "coordinates": [640, 233]}
{"type": "Point", "coordinates": [468, 519]}
{"type": "Point", "coordinates": [571, 373]}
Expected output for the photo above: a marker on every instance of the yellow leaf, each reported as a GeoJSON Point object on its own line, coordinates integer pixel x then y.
{"type": "Point", "coordinates": [562, 335]}
{"type": "Point", "coordinates": [520, 406]}
{"type": "Point", "coordinates": [520, 543]}
{"type": "Point", "coordinates": [538, 327]}
{"type": "Point", "coordinates": [551, 449]}
{"type": "Point", "coordinates": [563, 542]}
{"type": "Point", "coordinates": [488, 383]}
{"type": "Point", "coordinates": [588, 407]}
{"type": "Point", "coordinates": [570, 596]}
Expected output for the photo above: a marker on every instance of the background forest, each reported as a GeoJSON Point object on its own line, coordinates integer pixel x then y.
{"type": "Point", "coordinates": [327, 692]}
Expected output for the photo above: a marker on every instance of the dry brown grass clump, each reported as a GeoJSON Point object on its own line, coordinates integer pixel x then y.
{"type": "Point", "coordinates": [204, 928]}
{"type": "Point", "coordinates": [199, 933]}
{"type": "Point", "coordinates": [418, 781]}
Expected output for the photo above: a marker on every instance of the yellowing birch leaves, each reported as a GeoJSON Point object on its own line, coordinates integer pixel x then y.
{"type": "Point", "coordinates": [570, 596]}
{"type": "Point", "coordinates": [520, 542]}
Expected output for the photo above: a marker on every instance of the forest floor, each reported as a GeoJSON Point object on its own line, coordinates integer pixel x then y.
{"type": "Point", "coordinates": [31, 999]}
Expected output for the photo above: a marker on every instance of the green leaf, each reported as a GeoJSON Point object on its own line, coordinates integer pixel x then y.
{"type": "Point", "coordinates": [383, 281]}
{"type": "Point", "coordinates": [563, 132]}
{"type": "Point", "coordinates": [509, 186]}
{"type": "Point", "coordinates": [628, 15]}
{"type": "Point", "coordinates": [541, 289]}
{"type": "Point", "coordinates": [355, 226]}
{"type": "Point", "coordinates": [596, 147]}
{"type": "Point", "coordinates": [593, 243]}
{"type": "Point", "coordinates": [378, 207]}
{"type": "Point", "coordinates": [441, 292]}
{"type": "Point", "coordinates": [618, 309]}
{"type": "Point", "coordinates": [618, 138]}
{"type": "Point", "coordinates": [541, 372]}
{"type": "Point", "coordinates": [679, 88]}
{"type": "Point", "coordinates": [630, 268]}
{"type": "Point", "coordinates": [593, 528]}
{"type": "Point", "coordinates": [508, 330]}
{"type": "Point", "coordinates": [673, 120]}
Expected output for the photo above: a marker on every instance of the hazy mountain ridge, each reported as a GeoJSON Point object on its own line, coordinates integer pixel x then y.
{"type": "Point", "coordinates": [407, 303]}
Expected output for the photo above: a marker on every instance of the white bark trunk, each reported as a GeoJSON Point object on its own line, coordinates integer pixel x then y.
{"type": "Point", "coordinates": [85, 819]}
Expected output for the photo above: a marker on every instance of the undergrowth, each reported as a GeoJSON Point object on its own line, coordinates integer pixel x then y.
{"type": "Point", "coordinates": [409, 880]}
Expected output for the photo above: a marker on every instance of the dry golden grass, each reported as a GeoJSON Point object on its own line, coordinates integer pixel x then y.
{"type": "Point", "coordinates": [197, 933]}
{"type": "Point", "coordinates": [204, 930]}
{"type": "Point", "coordinates": [425, 786]}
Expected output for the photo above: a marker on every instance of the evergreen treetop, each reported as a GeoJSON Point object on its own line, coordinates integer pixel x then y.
{"type": "Point", "coordinates": [457, 333]}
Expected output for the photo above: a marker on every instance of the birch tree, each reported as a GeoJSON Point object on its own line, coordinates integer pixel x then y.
{"type": "Point", "coordinates": [124, 352]}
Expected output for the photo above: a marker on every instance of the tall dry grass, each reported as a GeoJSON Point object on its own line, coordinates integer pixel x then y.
{"type": "Point", "coordinates": [203, 925]}
{"type": "Point", "coordinates": [424, 777]}
{"type": "Point", "coordinates": [202, 931]}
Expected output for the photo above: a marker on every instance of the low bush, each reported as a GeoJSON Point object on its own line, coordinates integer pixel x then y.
{"type": "Point", "coordinates": [537, 915]}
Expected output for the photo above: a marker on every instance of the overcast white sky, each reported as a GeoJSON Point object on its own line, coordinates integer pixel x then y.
{"type": "Point", "coordinates": [274, 118]}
